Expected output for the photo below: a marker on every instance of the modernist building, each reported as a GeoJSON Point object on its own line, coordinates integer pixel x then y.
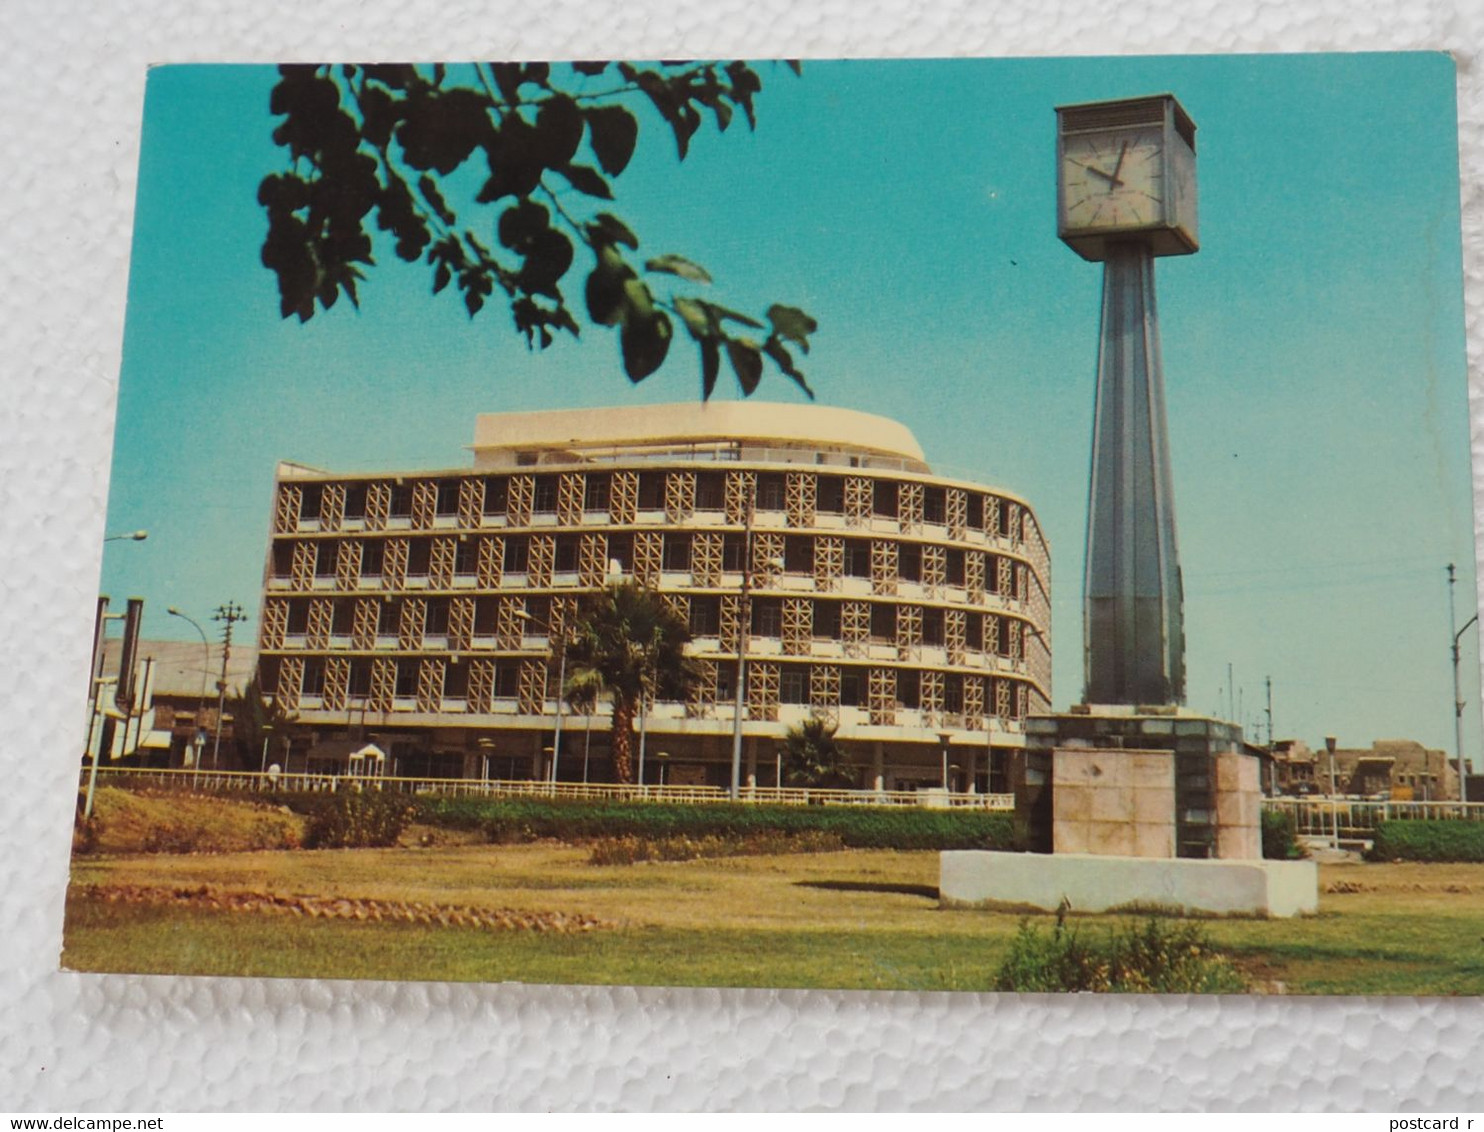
{"type": "Point", "coordinates": [418, 609]}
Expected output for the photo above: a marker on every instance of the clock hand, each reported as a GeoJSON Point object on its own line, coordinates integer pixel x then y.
{"type": "Point", "coordinates": [1111, 178]}
{"type": "Point", "coordinates": [1122, 153]}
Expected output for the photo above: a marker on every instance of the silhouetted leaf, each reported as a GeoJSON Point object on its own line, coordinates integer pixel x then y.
{"type": "Point", "coordinates": [586, 179]}
{"type": "Point", "coordinates": [693, 314]}
{"type": "Point", "coordinates": [747, 363]}
{"type": "Point", "coordinates": [559, 130]}
{"type": "Point", "coordinates": [785, 362]}
{"type": "Point", "coordinates": [590, 67]}
{"type": "Point", "coordinates": [792, 324]}
{"type": "Point", "coordinates": [644, 343]}
{"type": "Point", "coordinates": [613, 132]}
{"type": "Point", "coordinates": [679, 265]}
{"type": "Point", "coordinates": [608, 228]}
{"type": "Point", "coordinates": [710, 367]}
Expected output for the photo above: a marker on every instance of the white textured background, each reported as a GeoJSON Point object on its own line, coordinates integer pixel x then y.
{"type": "Point", "coordinates": [71, 89]}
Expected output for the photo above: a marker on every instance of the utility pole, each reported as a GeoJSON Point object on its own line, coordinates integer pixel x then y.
{"type": "Point", "coordinates": [1272, 768]}
{"type": "Point", "coordinates": [228, 614]}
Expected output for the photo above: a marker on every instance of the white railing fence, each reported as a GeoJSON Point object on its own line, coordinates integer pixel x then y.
{"type": "Point", "coordinates": [225, 781]}
{"type": "Point", "coordinates": [1356, 818]}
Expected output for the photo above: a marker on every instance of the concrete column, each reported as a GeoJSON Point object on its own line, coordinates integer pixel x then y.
{"type": "Point", "coordinates": [1133, 622]}
{"type": "Point", "coordinates": [970, 765]}
{"type": "Point", "coordinates": [752, 762]}
{"type": "Point", "coordinates": [878, 765]}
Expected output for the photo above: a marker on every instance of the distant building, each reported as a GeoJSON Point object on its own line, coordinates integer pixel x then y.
{"type": "Point", "coordinates": [182, 682]}
{"type": "Point", "coordinates": [418, 608]}
{"type": "Point", "coordinates": [1400, 769]}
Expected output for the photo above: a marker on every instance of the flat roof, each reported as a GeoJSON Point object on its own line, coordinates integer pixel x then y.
{"type": "Point", "coordinates": [687, 423]}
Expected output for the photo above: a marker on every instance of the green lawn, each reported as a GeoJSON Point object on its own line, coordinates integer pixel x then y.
{"type": "Point", "coordinates": [860, 919]}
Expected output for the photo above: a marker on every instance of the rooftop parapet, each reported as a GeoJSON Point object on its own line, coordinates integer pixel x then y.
{"type": "Point", "coordinates": [741, 430]}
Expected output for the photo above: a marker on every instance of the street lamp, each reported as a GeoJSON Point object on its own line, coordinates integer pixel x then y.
{"type": "Point", "coordinates": [1463, 794]}
{"type": "Point", "coordinates": [205, 667]}
{"type": "Point", "coordinates": [267, 734]}
{"type": "Point", "coordinates": [744, 629]}
{"type": "Point", "coordinates": [943, 737]}
{"type": "Point", "coordinates": [1334, 811]}
{"type": "Point", "coordinates": [132, 536]}
{"type": "Point", "coordinates": [556, 749]}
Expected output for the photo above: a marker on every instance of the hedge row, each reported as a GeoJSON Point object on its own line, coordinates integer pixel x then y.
{"type": "Point", "coordinates": [1428, 841]}
{"type": "Point", "coordinates": [857, 827]}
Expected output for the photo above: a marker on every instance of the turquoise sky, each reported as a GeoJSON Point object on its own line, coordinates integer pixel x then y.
{"type": "Point", "coordinates": [1314, 349]}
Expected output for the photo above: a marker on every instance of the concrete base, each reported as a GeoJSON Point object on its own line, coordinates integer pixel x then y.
{"type": "Point", "coordinates": [974, 879]}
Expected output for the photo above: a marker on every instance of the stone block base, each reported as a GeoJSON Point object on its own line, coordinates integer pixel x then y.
{"type": "Point", "coordinates": [975, 879]}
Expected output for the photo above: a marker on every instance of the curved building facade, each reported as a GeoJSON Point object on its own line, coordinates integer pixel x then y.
{"type": "Point", "coordinates": [418, 610]}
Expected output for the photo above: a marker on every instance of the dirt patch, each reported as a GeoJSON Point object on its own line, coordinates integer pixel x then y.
{"type": "Point", "coordinates": [207, 898]}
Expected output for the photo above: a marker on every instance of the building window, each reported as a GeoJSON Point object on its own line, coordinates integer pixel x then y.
{"type": "Point", "coordinates": [731, 553]}
{"type": "Point", "coordinates": [830, 495]}
{"type": "Point", "coordinates": [359, 684]}
{"type": "Point", "coordinates": [932, 626]}
{"type": "Point", "coordinates": [355, 501]}
{"type": "Point", "coordinates": [314, 677]}
{"type": "Point", "coordinates": [883, 622]}
{"type": "Point", "coordinates": [909, 562]}
{"type": "Point", "coordinates": [884, 499]}
{"type": "Point", "coordinates": [909, 688]}
{"type": "Point", "coordinates": [857, 559]}
{"type": "Point", "coordinates": [517, 555]}
{"type": "Point", "coordinates": [407, 672]}
{"type": "Point", "coordinates": [595, 492]}
{"type": "Point", "coordinates": [372, 556]}
{"type": "Point", "coordinates": [705, 616]}
{"type": "Point", "coordinates": [710, 492]}
{"type": "Point", "coordinates": [769, 492]}
{"type": "Point", "coordinates": [793, 686]}
{"type": "Point", "coordinates": [767, 618]}
{"type": "Point", "coordinates": [448, 497]}
{"type": "Point", "coordinates": [651, 491]}
{"type": "Point", "coordinates": [850, 689]}
{"type": "Point", "coordinates": [401, 500]}
{"type": "Point", "coordinates": [298, 622]}
{"type": "Point", "coordinates": [934, 505]}
{"type": "Point", "coordinates": [466, 557]}
{"type": "Point", "coordinates": [496, 496]}
{"type": "Point", "coordinates": [677, 551]}
{"type": "Point", "coordinates": [565, 561]}
{"type": "Point", "coordinates": [827, 620]}
{"type": "Point", "coordinates": [544, 500]}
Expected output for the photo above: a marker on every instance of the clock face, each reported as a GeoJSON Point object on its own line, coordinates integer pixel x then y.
{"type": "Point", "coordinates": [1113, 180]}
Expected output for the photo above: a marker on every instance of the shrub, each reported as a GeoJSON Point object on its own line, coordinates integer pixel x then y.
{"type": "Point", "coordinates": [1280, 837]}
{"type": "Point", "coordinates": [632, 850]}
{"type": "Point", "coordinates": [1437, 840]}
{"type": "Point", "coordinates": [1153, 959]}
{"type": "Point", "coordinates": [356, 820]}
{"type": "Point", "coordinates": [857, 827]}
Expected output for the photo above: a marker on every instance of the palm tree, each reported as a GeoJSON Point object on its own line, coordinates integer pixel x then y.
{"type": "Point", "coordinates": [811, 757]}
{"type": "Point", "coordinates": [628, 643]}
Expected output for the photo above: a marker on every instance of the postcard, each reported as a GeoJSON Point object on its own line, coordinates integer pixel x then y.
{"type": "Point", "coordinates": [942, 524]}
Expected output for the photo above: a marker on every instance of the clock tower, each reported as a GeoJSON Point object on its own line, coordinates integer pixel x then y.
{"type": "Point", "coordinates": [1126, 194]}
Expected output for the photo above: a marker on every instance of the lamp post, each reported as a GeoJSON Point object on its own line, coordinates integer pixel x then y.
{"type": "Point", "coordinates": [267, 735]}
{"type": "Point", "coordinates": [1463, 794]}
{"type": "Point", "coordinates": [205, 667]}
{"type": "Point", "coordinates": [556, 748]}
{"type": "Point", "coordinates": [943, 737]}
{"type": "Point", "coordinates": [1334, 812]}
{"type": "Point", "coordinates": [743, 629]}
